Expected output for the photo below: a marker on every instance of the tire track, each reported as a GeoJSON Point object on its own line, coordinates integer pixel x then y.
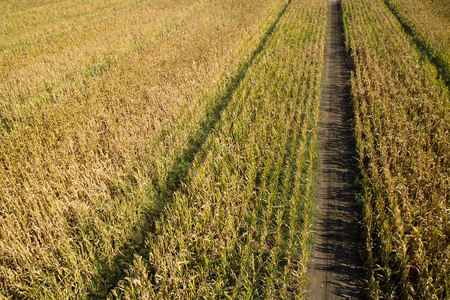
{"type": "Point", "coordinates": [336, 267]}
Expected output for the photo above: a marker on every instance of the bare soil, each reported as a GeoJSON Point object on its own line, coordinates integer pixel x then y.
{"type": "Point", "coordinates": [336, 268]}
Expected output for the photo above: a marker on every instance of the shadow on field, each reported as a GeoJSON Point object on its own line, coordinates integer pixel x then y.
{"type": "Point", "coordinates": [109, 275]}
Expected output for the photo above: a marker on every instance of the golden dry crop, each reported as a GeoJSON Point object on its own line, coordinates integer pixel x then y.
{"type": "Point", "coordinates": [402, 125]}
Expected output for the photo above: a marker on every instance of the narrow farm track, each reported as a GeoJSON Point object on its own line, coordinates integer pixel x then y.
{"type": "Point", "coordinates": [336, 267]}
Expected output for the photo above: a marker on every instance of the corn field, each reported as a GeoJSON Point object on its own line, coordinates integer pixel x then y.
{"type": "Point", "coordinates": [169, 149]}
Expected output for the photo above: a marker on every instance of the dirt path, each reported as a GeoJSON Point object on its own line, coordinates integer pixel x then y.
{"type": "Point", "coordinates": [336, 266]}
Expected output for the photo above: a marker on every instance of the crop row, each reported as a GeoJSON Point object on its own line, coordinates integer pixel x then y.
{"type": "Point", "coordinates": [240, 225]}
{"type": "Point", "coordinates": [403, 139]}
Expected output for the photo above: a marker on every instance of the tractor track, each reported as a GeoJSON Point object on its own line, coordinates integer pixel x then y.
{"type": "Point", "coordinates": [336, 267]}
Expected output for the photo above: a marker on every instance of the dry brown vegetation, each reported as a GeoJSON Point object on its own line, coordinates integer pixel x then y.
{"type": "Point", "coordinates": [97, 99]}
{"type": "Point", "coordinates": [402, 118]}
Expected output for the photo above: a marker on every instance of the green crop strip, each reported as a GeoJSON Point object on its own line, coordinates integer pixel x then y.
{"type": "Point", "coordinates": [239, 224]}
{"type": "Point", "coordinates": [109, 275]}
